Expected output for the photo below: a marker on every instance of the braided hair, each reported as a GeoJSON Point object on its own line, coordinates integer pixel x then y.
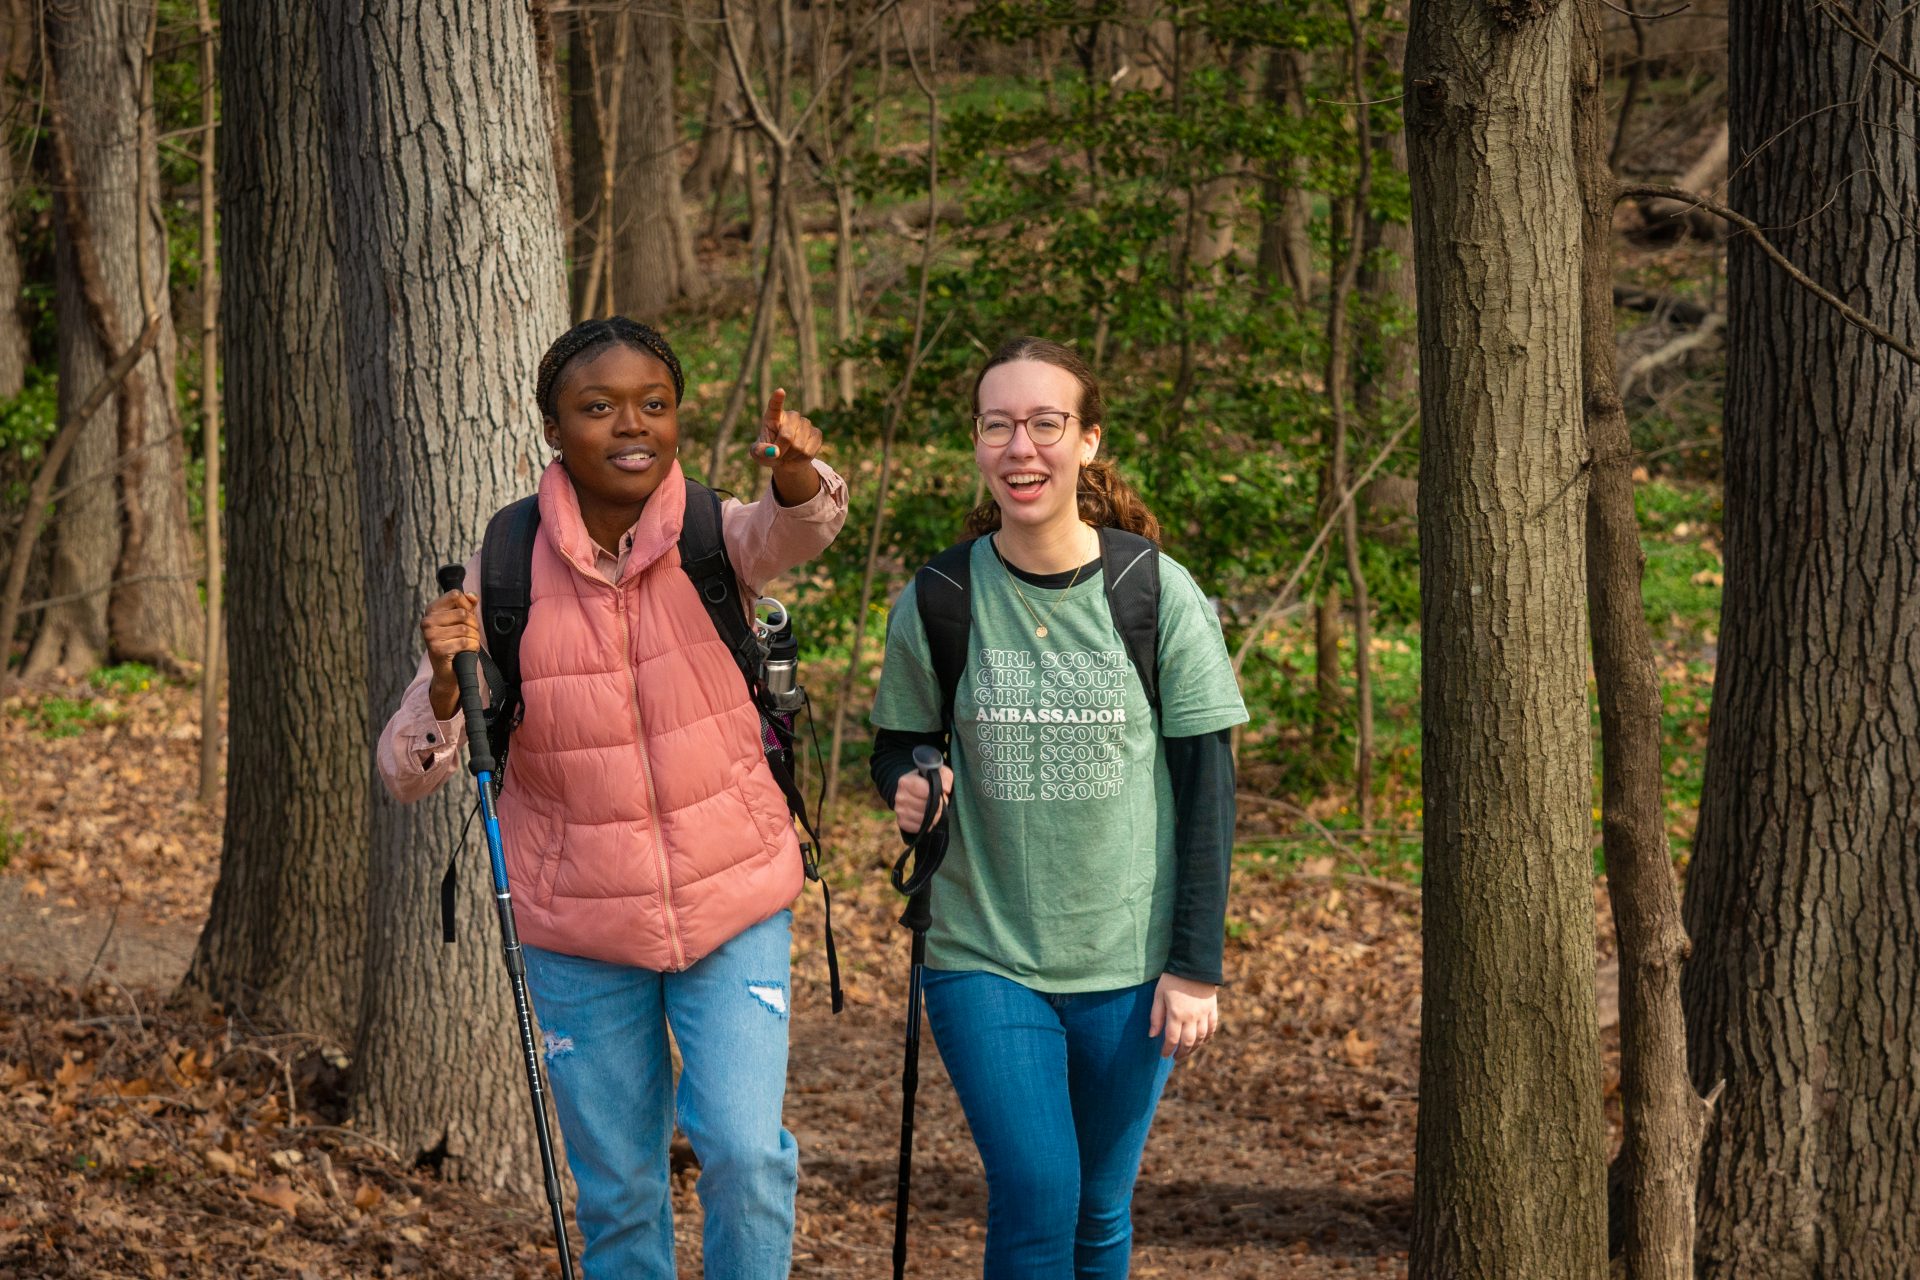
{"type": "Point", "coordinates": [593, 335]}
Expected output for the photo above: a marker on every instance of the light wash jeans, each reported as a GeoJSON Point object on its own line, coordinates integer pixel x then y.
{"type": "Point", "coordinates": [1059, 1091]}
{"type": "Point", "coordinates": [605, 1033]}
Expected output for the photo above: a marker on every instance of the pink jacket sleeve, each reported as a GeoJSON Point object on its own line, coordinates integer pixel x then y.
{"type": "Point", "coordinates": [418, 751]}
{"type": "Point", "coordinates": [765, 539]}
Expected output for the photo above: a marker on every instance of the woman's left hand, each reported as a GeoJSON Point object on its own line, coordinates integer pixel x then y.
{"type": "Point", "coordinates": [1187, 1011]}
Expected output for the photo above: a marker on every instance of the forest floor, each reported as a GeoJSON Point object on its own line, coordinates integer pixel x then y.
{"type": "Point", "coordinates": [142, 1137]}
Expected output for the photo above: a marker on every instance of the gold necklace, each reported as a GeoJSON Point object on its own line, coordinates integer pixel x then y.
{"type": "Point", "coordinates": [1039, 625]}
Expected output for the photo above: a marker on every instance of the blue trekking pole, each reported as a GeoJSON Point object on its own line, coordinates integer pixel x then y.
{"type": "Point", "coordinates": [926, 849]}
{"type": "Point", "coordinates": [480, 761]}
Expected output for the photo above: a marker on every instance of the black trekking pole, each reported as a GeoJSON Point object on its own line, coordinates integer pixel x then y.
{"type": "Point", "coordinates": [926, 849]}
{"type": "Point", "coordinates": [480, 761]}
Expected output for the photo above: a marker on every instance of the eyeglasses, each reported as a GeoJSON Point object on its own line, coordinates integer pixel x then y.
{"type": "Point", "coordinates": [996, 429]}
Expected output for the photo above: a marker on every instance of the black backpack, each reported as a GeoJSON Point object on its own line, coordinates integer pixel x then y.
{"type": "Point", "coordinates": [1130, 566]}
{"type": "Point", "coordinates": [506, 595]}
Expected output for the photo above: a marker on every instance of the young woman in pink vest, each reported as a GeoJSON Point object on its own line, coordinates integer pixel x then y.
{"type": "Point", "coordinates": [650, 850]}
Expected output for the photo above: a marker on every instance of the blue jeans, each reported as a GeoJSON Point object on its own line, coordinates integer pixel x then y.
{"type": "Point", "coordinates": [605, 1032]}
{"type": "Point", "coordinates": [1059, 1091]}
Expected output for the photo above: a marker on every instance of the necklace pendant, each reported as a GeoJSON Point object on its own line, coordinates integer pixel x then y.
{"type": "Point", "coordinates": [1040, 632]}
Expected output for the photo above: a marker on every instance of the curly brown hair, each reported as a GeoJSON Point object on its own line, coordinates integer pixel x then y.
{"type": "Point", "coordinates": [1104, 496]}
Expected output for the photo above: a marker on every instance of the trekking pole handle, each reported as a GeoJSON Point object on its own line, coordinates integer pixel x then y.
{"type": "Point", "coordinates": [466, 669]}
{"type": "Point", "coordinates": [926, 762]}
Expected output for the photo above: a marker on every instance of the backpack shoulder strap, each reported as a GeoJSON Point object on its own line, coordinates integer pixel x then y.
{"type": "Point", "coordinates": [506, 593]}
{"type": "Point", "coordinates": [942, 591]}
{"type": "Point", "coordinates": [703, 557]}
{"type": "Point", "coordinates": [1131, 568]}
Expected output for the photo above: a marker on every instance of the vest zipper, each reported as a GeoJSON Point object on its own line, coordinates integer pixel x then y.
{"type": "Point", "coordinates": [653, 801]}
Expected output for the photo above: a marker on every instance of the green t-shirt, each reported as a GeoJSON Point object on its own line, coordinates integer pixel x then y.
{"type": "Point", "coordinates": [1060, 871]}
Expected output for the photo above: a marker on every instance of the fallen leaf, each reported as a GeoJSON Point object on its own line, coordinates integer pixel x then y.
{"type": "Point", "coordinates": [1360, 1051]}
{"type": "Point", "coordinates": [279, 1194]}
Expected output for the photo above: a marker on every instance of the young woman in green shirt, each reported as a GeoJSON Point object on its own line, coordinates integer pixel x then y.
{"type": "Point", "coordinates": [1079, 917]}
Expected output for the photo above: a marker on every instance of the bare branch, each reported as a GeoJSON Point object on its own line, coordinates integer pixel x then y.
{"type": "Point", "coordinates": [63, 441]}
{"type": "Point", "coordinates": [762, 121]}
{"type": "Point", "coordinates": [1667, 353]}
{"type": "Point", "coordinates": [899, 405]}
{"type": "Point", "coordinates": [1751, 228]}
{"type": "Point", "coordinates": [1285, 593]}
{"type": "Point", "coordinates": [1648, 17]}
{"type": "Point", "coordinates": [105, 587]}
{"type": "Point", "coordinates": [1847, 23]}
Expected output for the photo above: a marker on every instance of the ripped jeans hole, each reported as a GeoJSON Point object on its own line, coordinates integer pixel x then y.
{"type": "Point", "coordinates": [771, 994]}
{"type": "Point", "coordinates": [556, 1045]}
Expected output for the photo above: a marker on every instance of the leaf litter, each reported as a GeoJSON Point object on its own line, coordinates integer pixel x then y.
{"type": "Point", "coordinates": [144, 1137]}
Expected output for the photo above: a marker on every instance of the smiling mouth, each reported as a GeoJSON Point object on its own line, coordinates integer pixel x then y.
{"type": "Point", "coordinates": [1025, 484]}
{"type": "Point", "coordinates": [635, 460]}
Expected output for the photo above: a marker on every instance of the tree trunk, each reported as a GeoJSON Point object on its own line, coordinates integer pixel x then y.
{"type": "Point", "coordinates": [584, 163]}
{"type": "Point", "coordinates": [1327, 697]}
{"type": "Point", "coordinates": [1286, 255]}
{"type": "Point", "coordinates": [653, 262]}
{"type": "Point", "coordinates": [286, 933]}
{"type": "Point", "coordinates": [1386, 278]}
{"type": "Point", "coordinates": [211, 677]}
{"type": "Point", "coordinates": [845, 291]}
{"type": "Point", "coordinates": [1509, 1169]}
{"type": "Point", "coordinates": [443, 183]}
{"type": "Point", "coordinates": [95, 52]}
{"type": "Point", "coordinates": [796, 282]}
{"type": "Point", "coordinates": [550, 27]}
{"type": "Point", "coordinates": [1803, 897]}
{"type": "Point", "coordinates": [154, 612]}
{"type": "Point", "coordinates": [715, 153]}
{"type": "Point", "coordinates": [16, 57]}
{"type": "Point", "coordinates": [1665, 1118]}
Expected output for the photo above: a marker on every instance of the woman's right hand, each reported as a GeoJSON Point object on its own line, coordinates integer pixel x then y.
{"type": "Point", "coordinates": [451, 625]}
{"type": "Point", "coordinates": [910, 799]}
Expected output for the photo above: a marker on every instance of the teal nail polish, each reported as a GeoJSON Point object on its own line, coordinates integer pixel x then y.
{"type": "Point", "coordinates": [772, 450]}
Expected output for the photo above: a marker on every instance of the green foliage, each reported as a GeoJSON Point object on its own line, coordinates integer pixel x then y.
{"type": "Point", "coordinates": [1680, 532]}
{"type": "Point", "coordinates": [60, 717]}
{"type": "Point", "coordinates": [28, 423]}
{"type": "Point", "coordinates": [126, 678]}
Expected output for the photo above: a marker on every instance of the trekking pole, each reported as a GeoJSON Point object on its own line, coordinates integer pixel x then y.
{"type": "Point", "coordinates": [926, 848]}
{"type": "Point", "coordinates": [480, 761]}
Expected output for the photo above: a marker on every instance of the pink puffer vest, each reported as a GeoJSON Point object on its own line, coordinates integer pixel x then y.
{"type": "Point", "coordinates": [641, 823]}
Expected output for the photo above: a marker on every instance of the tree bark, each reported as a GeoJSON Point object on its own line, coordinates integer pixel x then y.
{"type": "Point", "coordinates": [584, 162]}
{"type": "Point", "coordinates": [1509, 1170]}
{"type": "Point", "coordinates": [1803, 896]}
{"type": "Point", "coordinates": [653, 262]}
{"type": "Point", "coordinates": [1338, 369]}
{"type": "Point", "coordinates": [1286, 255]}
{"type": "Point", "coordinates": [443, 183]}
{"type": "Point", "coordinates": [1327, 697]}
{"type": "Point", "coordinates": [211, 676]}
{"type": "Point", "coordinates": [154, 613]}
{"type": "Point", "coordinates": [286, 933]}
{"type": "Point", "coordinates": [1386, 275]}
{"type": "Point", "coordinates": [845, 291]}
{"type": "Point", "coordinates": [1665, 1118]}
{"type": "Point", "coordinates": [16, 57]}
{"type": "Point", "coordinates": [796, 282]}
{"type": "Point", "coordinates": [715, 152]}
{"type": "Point", "coordinates": [96, 47]}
